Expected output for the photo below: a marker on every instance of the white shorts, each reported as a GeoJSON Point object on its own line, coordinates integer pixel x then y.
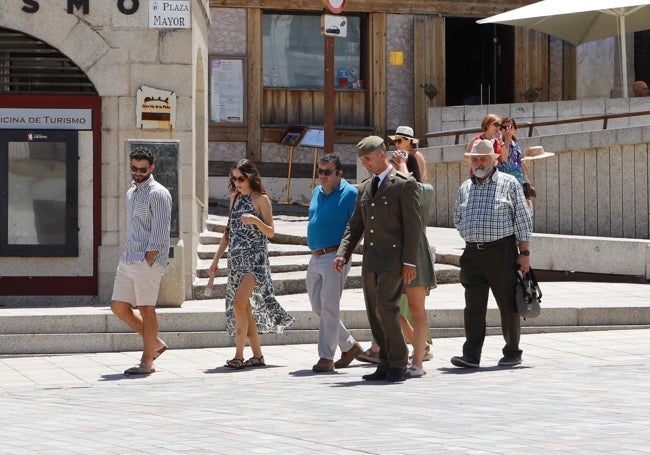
{"type": "Point", "coordinates": [137, 283]}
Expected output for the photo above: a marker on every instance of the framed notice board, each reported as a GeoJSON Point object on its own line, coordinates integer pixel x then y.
{"type": "Point", "coordinates": [227, 90]}
{"type": "Point", "coordinates": [292, 135]}
{"type": "Point", "coordinates": [313, 137]}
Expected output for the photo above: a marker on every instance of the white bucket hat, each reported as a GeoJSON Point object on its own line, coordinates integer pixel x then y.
{"type": "Point", "coordinates": [404, 131]}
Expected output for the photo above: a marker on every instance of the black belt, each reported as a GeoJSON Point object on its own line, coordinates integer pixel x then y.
{"type": "Point", "coordinates": [322, 251]}
{"type": "Point", "coordinates": [485, 245]}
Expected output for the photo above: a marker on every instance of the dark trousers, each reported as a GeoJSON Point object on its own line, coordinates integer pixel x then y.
{"type": "Point", "coordinates": [481, 270]}
{"type": "Point", "coordinates": [382, 292]}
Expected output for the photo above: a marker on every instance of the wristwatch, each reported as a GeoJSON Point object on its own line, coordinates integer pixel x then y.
{"type": "Point", "coordinates": [525, 252]}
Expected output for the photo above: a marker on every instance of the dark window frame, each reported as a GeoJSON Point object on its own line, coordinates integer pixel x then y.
{"type": "Point", "coordinates": [363, 51]}
{"type": "Point", "coordinates": [71, 246]}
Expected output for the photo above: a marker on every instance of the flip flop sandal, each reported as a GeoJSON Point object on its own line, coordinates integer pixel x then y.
{"type": "Point", "coordinates": [255, 362]}
{"type": "Point", "coordinates": [235, 364]}
{"type": "Point", "coordinates": [139, 369]}
{"type": "Point", "coordinates": [159, 352]}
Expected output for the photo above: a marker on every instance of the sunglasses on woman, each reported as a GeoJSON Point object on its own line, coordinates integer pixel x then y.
{"type": "Point", "coordinates": [240, 178]}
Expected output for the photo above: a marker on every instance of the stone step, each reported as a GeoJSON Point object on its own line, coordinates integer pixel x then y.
{"type": "Point", "coordinates": [275, 249]}
{"type": "Point", "coordinates": [283, 283]}
{"type": "Point", "coordinates": [64, 343]}
{"type": "Point", "coordinates": [293, 282]}
{"type": "Point", "coordinates": [201, 323]}
{"type": "Point", "coordinates": [217, 224]}
{"type": "Point", "coordinates": [278, 264]}
{"type": "Point", "coordinates": [289, 257]}
{"type": "Point", "coordinates": [210, 238]}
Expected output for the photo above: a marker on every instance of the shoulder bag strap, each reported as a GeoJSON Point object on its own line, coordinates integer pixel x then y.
{"type": "Point", "coordinates": [524, 171]}
{"type": "Point", "coordinates": [231, 209]}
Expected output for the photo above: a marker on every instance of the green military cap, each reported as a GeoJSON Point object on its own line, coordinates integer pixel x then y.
{"type": "Point", "coordinates": [369, 144]}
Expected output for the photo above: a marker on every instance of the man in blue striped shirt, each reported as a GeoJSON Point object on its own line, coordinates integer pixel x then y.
{"type": "Point", "coordinates": [144, 258]}
{"type": "Point", "coordinates": [491, 215]}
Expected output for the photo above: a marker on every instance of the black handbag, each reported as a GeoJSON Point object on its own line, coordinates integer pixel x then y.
{"type": "Point", "coordinates": [529, 191]}
{"type": "Point", "coordinates": [528, 295]}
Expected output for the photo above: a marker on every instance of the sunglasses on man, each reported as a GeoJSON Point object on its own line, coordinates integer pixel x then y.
{"type": "Point", "coordinates": [141, 170]}
{"type": "Point", "coordinates": [326, 172]}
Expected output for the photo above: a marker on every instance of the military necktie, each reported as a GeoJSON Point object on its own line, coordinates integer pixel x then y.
{"type": "Point", "coordinates": [375, 185]}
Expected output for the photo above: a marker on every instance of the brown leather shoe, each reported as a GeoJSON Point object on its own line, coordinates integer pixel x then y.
{"type": "Point", "coordinates": [348, 356]}
{"type": "Point", "coordinates": [323, 366]}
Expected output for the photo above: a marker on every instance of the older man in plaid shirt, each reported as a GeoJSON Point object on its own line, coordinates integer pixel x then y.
{"type": "Point", "coordinates": [490, 214]}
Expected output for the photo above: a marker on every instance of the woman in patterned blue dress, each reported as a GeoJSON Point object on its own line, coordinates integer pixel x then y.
{"type": "Point", "coordinates": [510, 159]}
{"type": "Point", "coordinates": [511, 155]}
{"type": "Point", "coordinates": [251, 306]}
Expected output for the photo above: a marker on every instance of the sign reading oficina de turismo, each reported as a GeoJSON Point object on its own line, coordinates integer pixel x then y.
{"type": "Point", "coordinates": [169, 14]}
{"type": "Point", "coordinates": [45, 119]}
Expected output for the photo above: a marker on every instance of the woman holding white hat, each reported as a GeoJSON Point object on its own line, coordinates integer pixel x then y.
{"type": "Point", "coordinates": [404, 140]}
{"type": "Point", "coordinates": [510, 159]}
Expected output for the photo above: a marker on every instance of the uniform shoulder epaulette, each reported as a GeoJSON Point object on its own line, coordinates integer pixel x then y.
{"type": "Point", "coordinates": [402, 175]}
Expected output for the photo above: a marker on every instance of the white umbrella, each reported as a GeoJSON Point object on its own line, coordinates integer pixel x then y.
{"type": "Point", "coordinates": [581, 21]}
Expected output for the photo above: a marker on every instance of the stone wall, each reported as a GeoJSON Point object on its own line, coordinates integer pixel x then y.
{"type": "Point", "coordinates": [596, 184]}
{"type": "Point", "coordinates": [120, 53]}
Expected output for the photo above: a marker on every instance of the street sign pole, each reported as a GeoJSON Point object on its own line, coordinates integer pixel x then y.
{"type": "Point", "coordinates": [335, 7]}
{"type": "Point", "coordinates": [329, 95]}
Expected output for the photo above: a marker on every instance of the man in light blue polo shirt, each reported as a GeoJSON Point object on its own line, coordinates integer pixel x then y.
{"type": "Point", "coordinates": [331, 206]}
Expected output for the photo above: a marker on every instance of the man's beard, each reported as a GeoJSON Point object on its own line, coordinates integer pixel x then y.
{"type": "Point", "coordinates": [139, 178]}
{"type": "Point", "coordinates": [482, 173]}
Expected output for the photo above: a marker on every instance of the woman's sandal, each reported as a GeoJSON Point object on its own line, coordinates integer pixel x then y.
{"type": "Point", "coordinates": [255, 362]}
{"type": "Point", "coordinates": [236, 364]}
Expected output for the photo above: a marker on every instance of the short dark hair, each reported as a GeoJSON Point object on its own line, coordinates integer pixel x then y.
{"type": "Point", "coordinates": [141, 153]}
{"type": "Point", "coordinates": [332, 158]}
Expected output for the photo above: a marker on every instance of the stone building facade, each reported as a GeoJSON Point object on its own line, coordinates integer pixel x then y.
{"type": "Point", "coordinates": [105, 53]}
{"type": "Point", "coordinates": [119, 48]}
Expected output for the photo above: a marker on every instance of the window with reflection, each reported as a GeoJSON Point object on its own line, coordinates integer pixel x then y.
{"type": "Point", "coordinates": [293, 49]}
{"type": "Point", "coordinates": [40, 194]}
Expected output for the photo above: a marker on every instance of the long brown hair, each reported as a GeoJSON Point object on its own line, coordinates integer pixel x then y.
{"type": "Point", "coordinates": [249, 170]}
{"type": "Point", "coordinates": [514, 125]}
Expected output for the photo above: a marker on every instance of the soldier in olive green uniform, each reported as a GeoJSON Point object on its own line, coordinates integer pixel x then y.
{"type": "Point", "coordinates": [387, 217]}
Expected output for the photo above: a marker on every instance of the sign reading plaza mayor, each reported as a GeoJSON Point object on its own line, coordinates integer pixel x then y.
{"type": "Point", "coordinates": [169, 14]}
{"type": "Point", "coordinates": [45, 119]}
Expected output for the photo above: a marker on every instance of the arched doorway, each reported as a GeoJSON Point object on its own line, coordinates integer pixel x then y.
{"type": "Point", "coordinates": [50, 171]}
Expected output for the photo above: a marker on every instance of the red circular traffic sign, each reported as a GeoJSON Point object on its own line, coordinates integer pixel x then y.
{"type": "Point", "coordinates": [335, 6]}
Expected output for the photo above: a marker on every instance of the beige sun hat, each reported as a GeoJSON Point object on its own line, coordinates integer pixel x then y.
{"type": "Point", "coordinates": [404, 131]}
{"type": "Point", "coordinates": [535, 152]}
{"type": "Point", "coordinates": [482, 147]}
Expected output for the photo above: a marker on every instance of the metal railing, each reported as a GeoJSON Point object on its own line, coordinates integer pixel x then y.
{"type": "Point", "coordinates": [532, 125]}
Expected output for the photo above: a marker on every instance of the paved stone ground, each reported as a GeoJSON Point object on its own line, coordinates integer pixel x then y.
{"type": "Point", "coordinates": [576, 393]}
